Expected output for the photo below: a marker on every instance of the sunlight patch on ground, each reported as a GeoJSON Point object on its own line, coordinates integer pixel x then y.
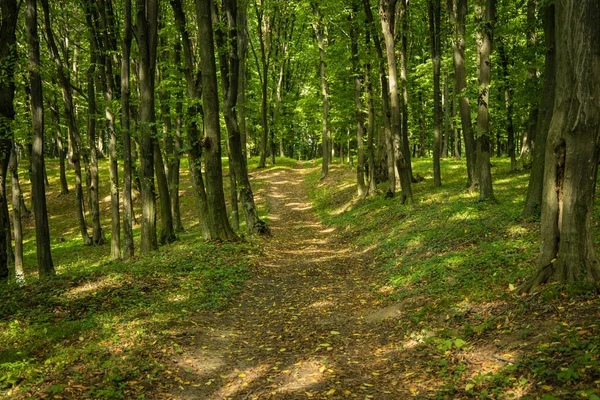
{"type": "Point", "coordinates": [89, 287]}
{"type": "Point", "coordinates": [301, 375]}
{"type": "Point", "coordinates": [322, 304]}
{"type": "Point", "coordinates": [239, 380]}
{"type": "Point", "coordinates": [328, 230]}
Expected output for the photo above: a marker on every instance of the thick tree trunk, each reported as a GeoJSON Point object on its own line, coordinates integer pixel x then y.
{"type": "Point", "coordinates": [219, 224]}
{"type": "Point", "coordinates": [533, 202]}
{"type": "Point", "coordinates": [38, 190]}
{"type": "Point", "coordinates": [457, 9]}
{"type": "Point", "coordinates": [147, 24]}
{"type": "Point", "coordinates": [572, 151]}
{"type": "Point", "coordinates": [486, 191]}
{"type": "Point", "coordinates": [436, 56]}
{"type": "Point", "coordinates": [128, 246]}
{"type": "Point", "coordinates": [387, 16]}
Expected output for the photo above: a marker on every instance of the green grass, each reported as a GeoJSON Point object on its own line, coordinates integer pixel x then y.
{"type": "Point", "coordinates": [462, 260]}
{"type": "Point", "coordinates": [100, 327]}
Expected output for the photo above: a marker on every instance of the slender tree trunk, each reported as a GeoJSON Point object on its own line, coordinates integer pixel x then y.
{"type": "Point", "coordinates": [486, 191]}
{"type": "Point", "coordinates": [422, 128]}
{"type": "Point", "coordinates": [360, 118]}
{"type": "Point", "coordinates": [533, 202]}
{"type": "Point", "coordinates": [528, 140]}
{"type": "Point", "coordinates": [567, 252]}
{"type": "Point", "coordinates": [446, 107]}
{"type": "Point", "coordinates": [436, 56]}
{"type": "Point", "coordinates": [372, 189]}
{"type": "Point", "coordinates": [146, 21]}
{"type": "Point", "coordinates": [319, 30]}
{"type": "Point", "coordinates": [17, 225]}
{"type": "Point", "coordinates": [128, 246]}
{"type": "Point", "coordinates": [175, 154]}
{"type": "Point", "coordinates": [219, 224]}
{"type": "Point", "coordinates": [64, 186]}
{"type": "Point", "coordinates": [194, 90]}
{"type": "Point", "coordinates": [404, 82]}
{"type": "Point", "coordinates": [457, 9]}
{"type": "Point", "coordinates": [167, 231]}
{"type": "Point", "coordinates": [263, 28]}
{"type": "Point", "coordinates": [38, 190]}
{"type": "Point", "coordinates": [387, 16]}
{"type": "Point", "coordinates": [72, 126]}
{"type": "Point", "coordinates": [238, 169]}
{"type": "Point", "coordinates": [243, 78]}
{"type": "Point", "coordinates": [457, 144]}
{"type": "Point", "coordinates": [510, 131]}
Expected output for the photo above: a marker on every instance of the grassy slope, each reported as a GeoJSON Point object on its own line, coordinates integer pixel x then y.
{"type": "Point", "coordinates": [454, 262]}
{"type": "Point", "coordinates": [100, 328]}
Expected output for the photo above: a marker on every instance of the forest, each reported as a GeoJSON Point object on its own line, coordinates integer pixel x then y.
{"type": "Point", "coordinates": [267, 199]}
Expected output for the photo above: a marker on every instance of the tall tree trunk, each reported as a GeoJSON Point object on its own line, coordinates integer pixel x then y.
{"type": "Point", "coordinates": [174, 154]}
{"type": "Point", "coordinates": [128, 246]}
{"type": "Point", "coordinates": [436, 56]}
{"type": "Point", "coordinates": [319, 30]}
{"type": "Point", "coordinates": [38, 190]}
{"type": "Point", "coordinates": [567, 252]}
{"type": "Point", "coordinates": [372, 189]}
{"type": "Point", "coordinates": [8, 60]}
{"type": "Point", "coordinates": [243, 78]}
{"type": "Point", "coordinates": [147, 24]}
{"type": "Point", "coordinates": [457, 144]}
{"type": "Point", "coordinates": [17, 224]}
{"type": "Point", "coordinates": [387, 16]}
{"type": "Point", "coordinates": [219, 224]}
{"type": "Point", "coordinates": [510, 131]}
{"type": "Point", "coordinates": [535, 188]}
{"type": "Point", "coordinates": [486, 191]}
{"type": "Point", "coordinates": [194, 90]}
{"type": "Point", "coordinates": [360, 117]}
{"type": "Point", "coordinates": [457, 9]}
{"type": "Point", "coordinates": [167, 231]}
{"type": "Point", "coordinates": [108, 83]}
{"type": "Point", "coordinates": [528, 140]}
{"type": "Point", "coordinates": [446, 108]}
{"type": "Point", "coordinates": [238, 169]}
{"type": "Point", "coordinates": [263, 28]}
{"type": "Point", "coordinates": [385, 99]}
{"type": "Point", "coordinates": [72, 125]}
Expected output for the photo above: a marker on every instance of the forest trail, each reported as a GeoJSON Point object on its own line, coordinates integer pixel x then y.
{"type": "Point", "coordinates": [308, 324]}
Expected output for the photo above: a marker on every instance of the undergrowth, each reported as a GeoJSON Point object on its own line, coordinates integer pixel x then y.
{"type": "Point", "coordinates": [456, 263]}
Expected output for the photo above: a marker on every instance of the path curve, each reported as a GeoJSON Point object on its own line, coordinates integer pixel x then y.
{"type": "Point", "coordinates": [309, 323]}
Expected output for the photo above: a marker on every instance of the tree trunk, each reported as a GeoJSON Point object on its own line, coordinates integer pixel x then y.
{"type": "Point", "coordinates": [387, 16]}
{"type": "Point", "coordinates": [510, 131]}
{"type": "Point", "coordinates": [457, 9]}
{"type": "Point", "coordinates": [404, 83]}
{"type": "Point", "coordinates": [528, 140]}
{"type": "Point", "coordinates": [176, 151]}
{"type": "Point", "coordinates": [72, 125]}
{"type": "Point", "coordinates": [64, 186]}
{"type": "Point", "coordinates": [219, 224]}
{"type": "Point", "coordinates": [17, 225]}
{"type": "Point", "coordinates": [486, 191]}
{"type": "Point", "coordinates": [167, 231]}
{"type": "Point", "coordinates": [238, 169]}
{"type": "Point", "coordinates": [372, 189]}
{"type": "Point", "coordinates": [572, 151]}
{"type": "Point", "coordinates": [446, 108]}
{"type": "Point", "coordinates": [436, 55]}
{"type": "Point", "coordinates": [128, 246]}
{"type": "Point", "coordinates": [319, 30]}
{"type": "Point", "coordinates": [263, 28]}
{"type": "Point", "coordinates": [194, 90]}
{"type": "Point", "coordinates": [243, 78]}
{"type": "Point", "coordinates": [387, 152]}
{"type": "Point", "coordinates": [360, 118]}
{"type": "Point", "coordinates": [147, 24]}
{"type": "Point", "coordinates": [533, 202]}
{"type": "Point", "coordinates": [457, 144]}
{"type": "Point", "coordinates": [38, 190]}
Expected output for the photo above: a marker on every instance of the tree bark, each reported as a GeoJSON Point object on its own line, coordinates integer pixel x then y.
{"type": "Point", "coordinates": [263, 28]}
{"type": "Point", "coordinates": [72, 126]}
{"type": "Point", "coordinates": [319, 30]}
{"type": "Point", "coordinates": [528, 140]}
{"type": "Point", "coordinates": [128, 246]}
{"type": "Point", "coordinates": [535, 188]}
{"type": "Point", "coordinates": [64, 186]}
{"type": "Point", "coordinates": [387, 16]}
{"type": "Point", "coordinates": [360, 117]}
{"type": "Point", "coordinates": [486, 191]}
{"type": "Point", "coordinates": [510, 131]}
{"type": "Point", "coordinates": [219, 224]}
{"type": "Point", "coordinates": [17, 224]}
{"type": "Point", "coordinates": [457, 9]}
{"type": "Point", "coordinates": [572, 151]}
{"type": "Point", "coordinates": [147, 24]}
{"type": "Point", "coordinates": [38, 190]}
{"type": "Point", "coordinates": [436, 56]}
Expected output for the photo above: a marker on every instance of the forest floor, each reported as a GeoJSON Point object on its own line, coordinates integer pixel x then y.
{"type": "Point", "coordinates": [349, 299]}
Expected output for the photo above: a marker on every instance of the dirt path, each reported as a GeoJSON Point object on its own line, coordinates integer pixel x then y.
{"type": "Point", "coordinates": [308, 325]}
